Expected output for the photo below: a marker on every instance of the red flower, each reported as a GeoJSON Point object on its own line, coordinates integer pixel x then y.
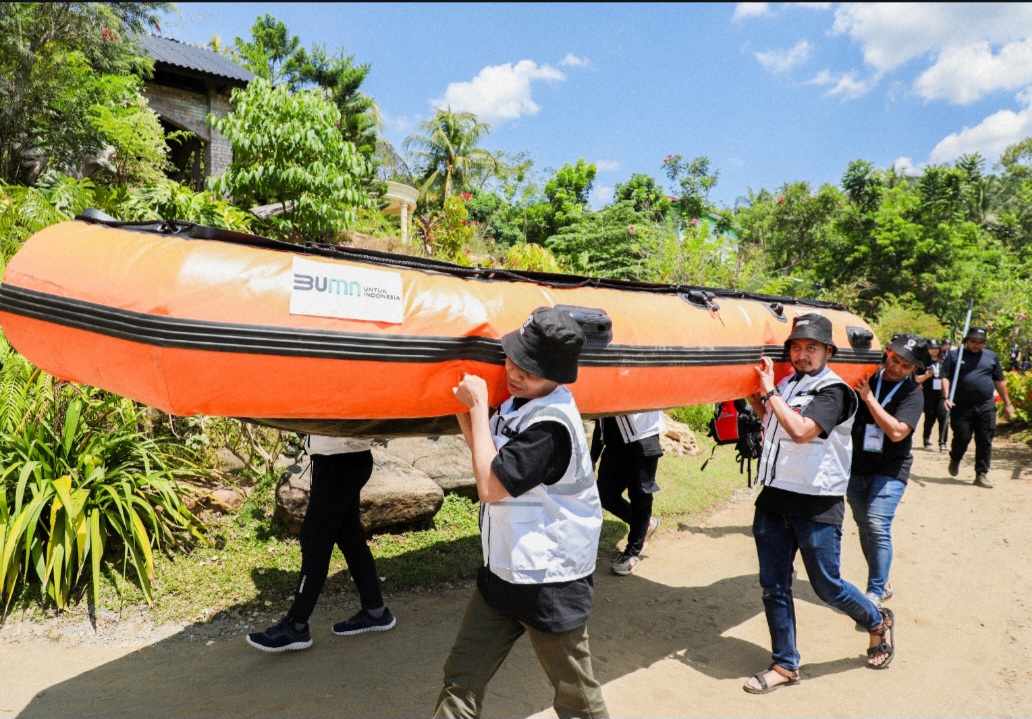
{"type": "Point", "coordinates": [781, 201]}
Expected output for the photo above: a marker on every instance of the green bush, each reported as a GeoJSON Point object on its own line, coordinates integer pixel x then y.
{"type": "Point", "coordinates": [79, 474]}
{"type": "Point", "coordinates": [695, 416]}
{"type": "Point", "coordinates": [1019, 389]}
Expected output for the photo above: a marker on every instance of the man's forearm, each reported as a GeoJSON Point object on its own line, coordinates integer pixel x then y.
{"type": "Point", "coordinates": [482, 447]}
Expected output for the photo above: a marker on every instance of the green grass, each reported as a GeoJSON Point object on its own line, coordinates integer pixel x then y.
{"type": "Point", "coordinates": [252, 562]}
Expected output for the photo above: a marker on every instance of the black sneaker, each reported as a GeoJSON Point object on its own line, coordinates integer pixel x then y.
{"type": "Point", "coordinates": [365, 622]}
{"type": "Point", "coordinates": [954, 468]}
{"type": "Point", "coordinates": [283, 636]}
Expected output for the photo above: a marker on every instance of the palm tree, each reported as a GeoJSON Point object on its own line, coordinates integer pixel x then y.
{"type": "Point", "coordinates": [447, 152]}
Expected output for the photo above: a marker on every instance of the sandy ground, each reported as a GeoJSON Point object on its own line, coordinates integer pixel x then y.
{"type": "Point", "coordinates": [676, 639]}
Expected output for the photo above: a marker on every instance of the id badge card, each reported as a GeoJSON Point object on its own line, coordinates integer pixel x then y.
{"type": "Point", "coordinates": [874, 438]}
{"type": "Point", "coordinates": [937, 384]}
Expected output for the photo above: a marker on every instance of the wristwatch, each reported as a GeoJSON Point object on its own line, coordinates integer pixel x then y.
{"type": "Point", "coordinates": [770, 394]}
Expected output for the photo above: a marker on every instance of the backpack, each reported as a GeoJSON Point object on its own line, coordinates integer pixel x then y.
{"type": "Point", "coordinates": [735, 422]}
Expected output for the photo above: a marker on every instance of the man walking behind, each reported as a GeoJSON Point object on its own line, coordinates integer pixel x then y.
{"type": "Point", "coordinates": [973, 410]}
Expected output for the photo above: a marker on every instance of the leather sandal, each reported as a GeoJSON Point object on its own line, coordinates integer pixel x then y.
{"type": "Point", "coordinates": [887, 627]}
{"type": "Point", "coordinates": [790, 674]}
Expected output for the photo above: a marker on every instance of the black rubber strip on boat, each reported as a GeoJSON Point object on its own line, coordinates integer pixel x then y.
{"type": "Point", "coordinates": [160, 331]}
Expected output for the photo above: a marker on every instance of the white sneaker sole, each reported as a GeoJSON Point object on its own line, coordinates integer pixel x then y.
{"type": "Point", "coordinates": [363, 630]}
{"type": "Point", "coordinates": [296, 646]}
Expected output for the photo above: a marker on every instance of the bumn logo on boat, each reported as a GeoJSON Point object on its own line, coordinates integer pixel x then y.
{"type": "Point", "coordinates": [323, 289]}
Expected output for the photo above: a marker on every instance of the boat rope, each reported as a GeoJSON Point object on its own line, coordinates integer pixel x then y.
{"type": "Point", "coordinates": [704, 297]}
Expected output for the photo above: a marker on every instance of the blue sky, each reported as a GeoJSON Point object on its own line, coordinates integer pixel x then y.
{"type": "Point", "coordinates": [769, 92]}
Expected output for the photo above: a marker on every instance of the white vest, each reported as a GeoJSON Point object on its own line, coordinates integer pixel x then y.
{"type": "Point", "coordinates": [634, 427]}
{"type": "Point", "coordinates": [549, 533]}
{"type": "Point", "coordinates": [820, 466]}
{"type": "Point", "coordinates": [321, 444]}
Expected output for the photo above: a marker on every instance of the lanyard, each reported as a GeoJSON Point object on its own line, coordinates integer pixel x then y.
{"type": "Point", "coordinates": [877, 390]}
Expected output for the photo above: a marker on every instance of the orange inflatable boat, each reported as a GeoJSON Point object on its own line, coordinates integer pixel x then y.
{"type": "Point", "coordinates": [194, 320]}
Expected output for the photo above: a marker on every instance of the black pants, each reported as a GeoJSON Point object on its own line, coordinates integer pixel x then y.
{"type": "Point", "coordinates": [333, 517]}
{"type": "Point", "coordinates": [978, 420]}
{"type": "Point", "coordinates": [636, 475]}
{"type": "Point", "coordinates": [935, 412]}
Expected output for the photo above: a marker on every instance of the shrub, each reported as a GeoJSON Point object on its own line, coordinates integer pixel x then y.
{"type": "Point", "coordinates": [1019, 389]}
{"type": "Point", "coordinates": [79, 471]}
{"type": "Point", "coordinates": [696, 416]}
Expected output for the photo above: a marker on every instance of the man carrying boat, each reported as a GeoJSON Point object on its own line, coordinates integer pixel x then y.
{"type": "Point", "coordinates": [540, 521]}
{"type": "Point", "coordinates": [804, 470]}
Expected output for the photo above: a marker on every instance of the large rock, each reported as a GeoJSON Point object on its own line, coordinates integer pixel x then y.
{"type": "Point", "coordinates": [396, 494]}
{"type": "Point", "coordinates": [678, 440]}
{"type": "Point", "coordinates": [445, 459]}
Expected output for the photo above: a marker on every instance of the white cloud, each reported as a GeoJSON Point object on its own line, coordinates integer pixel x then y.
{"type": "Point", "coordinates": [905, 167]}
{"type": "Point", "coordinates": [572, 60]}
{"type": "Point", "coordinates": [989, 138]}
{"type": "Point", "coordinates": [811, 5]}
{"type": "Point", "coordinates": [398, 123]}
{"type": "Point", "coordinates": [607, 165]}
{"type": "Point", "coordinates": [602, 196]}
{"type": "Point", "coordinates": [846, 85]}
{"type": "Point", "coordinates": [967, 74]}
{"type": "Point", "coordinates": [892, 34]}
{"type": "Point", "coordinates": [750, 9]}
{"type": "Point", "coordinates": [781, 61]}
{"type": "Point", "coordinates": [499, 92]}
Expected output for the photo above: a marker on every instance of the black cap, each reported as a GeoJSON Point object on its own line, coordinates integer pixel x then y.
{"type": "Point", "coordinates": [976, 333]}
{"type": "Point", "coordinates": [934, 344]}
{"type": "Point", "coordinates": [548, 345]}
{"type": "Point", "coordinates": [812, 326]}
{"type": "Point", "coordinates": [911, 348]}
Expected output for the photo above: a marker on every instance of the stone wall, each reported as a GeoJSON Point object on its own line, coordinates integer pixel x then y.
{"type": "Point", "coordinates": [188, 110]}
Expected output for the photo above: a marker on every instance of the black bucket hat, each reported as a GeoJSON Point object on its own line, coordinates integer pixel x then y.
{"type": "Point", "coordinates": [547, 345]}
{"type": "Point", "coordinates": [812, 326]}
{"type": "Point", "coordinates": [976, 333]}
{"type": "Point", "coordinates": [911, 348]}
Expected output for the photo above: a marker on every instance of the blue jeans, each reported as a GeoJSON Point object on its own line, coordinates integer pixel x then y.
{"type": "Point", "coordinates": [873, 499]}
{"type": "Point", "coordinates": [777, 539]}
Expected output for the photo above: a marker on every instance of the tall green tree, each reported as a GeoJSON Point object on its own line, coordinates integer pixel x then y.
{"type": "Point", "coordinates": [645, 194]}
{"type": "Point", "coordinates": [693, 181]}
{"type": "Point", "coordinates": [568, 193]}
{"type": "Point", "coordinates": [275, 54]}
{"type": "Point", "coordinates": [271, 53]}
{"type": "Point", "coordinates": [287, 149]}
{"type": "Point", "coordinates": [51, 59]}
{"type": "Point", "coordinates": [340, 77]}
{"type": "Point", "coordinates": [448, 153]}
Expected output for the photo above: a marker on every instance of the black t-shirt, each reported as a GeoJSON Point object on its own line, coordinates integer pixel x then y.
{"type": "Point", "coordinates": [830, 407]}
{"type": "Point", "coordinates": [537, 455]}
{"type": "Point", "coordinates": [933, 393]}
{"type": "Point", "coordinates": [978, 373]}
{"type": "Point", "coordinates": [895, 459]}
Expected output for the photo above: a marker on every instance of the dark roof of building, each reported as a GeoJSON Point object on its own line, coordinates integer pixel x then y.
{"type": "Point", "coordinates": [197, 60]}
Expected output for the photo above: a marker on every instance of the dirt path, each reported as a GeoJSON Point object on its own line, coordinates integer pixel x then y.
{"type": "Point", "coordinates": [674, 640]}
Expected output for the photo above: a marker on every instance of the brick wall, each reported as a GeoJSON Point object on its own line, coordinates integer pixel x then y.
{"type": "Point", "coordinates": [188, 110]}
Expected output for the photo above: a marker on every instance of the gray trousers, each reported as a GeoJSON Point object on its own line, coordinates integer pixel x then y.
{"type": "Point", "coordinates": [484, 640]}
